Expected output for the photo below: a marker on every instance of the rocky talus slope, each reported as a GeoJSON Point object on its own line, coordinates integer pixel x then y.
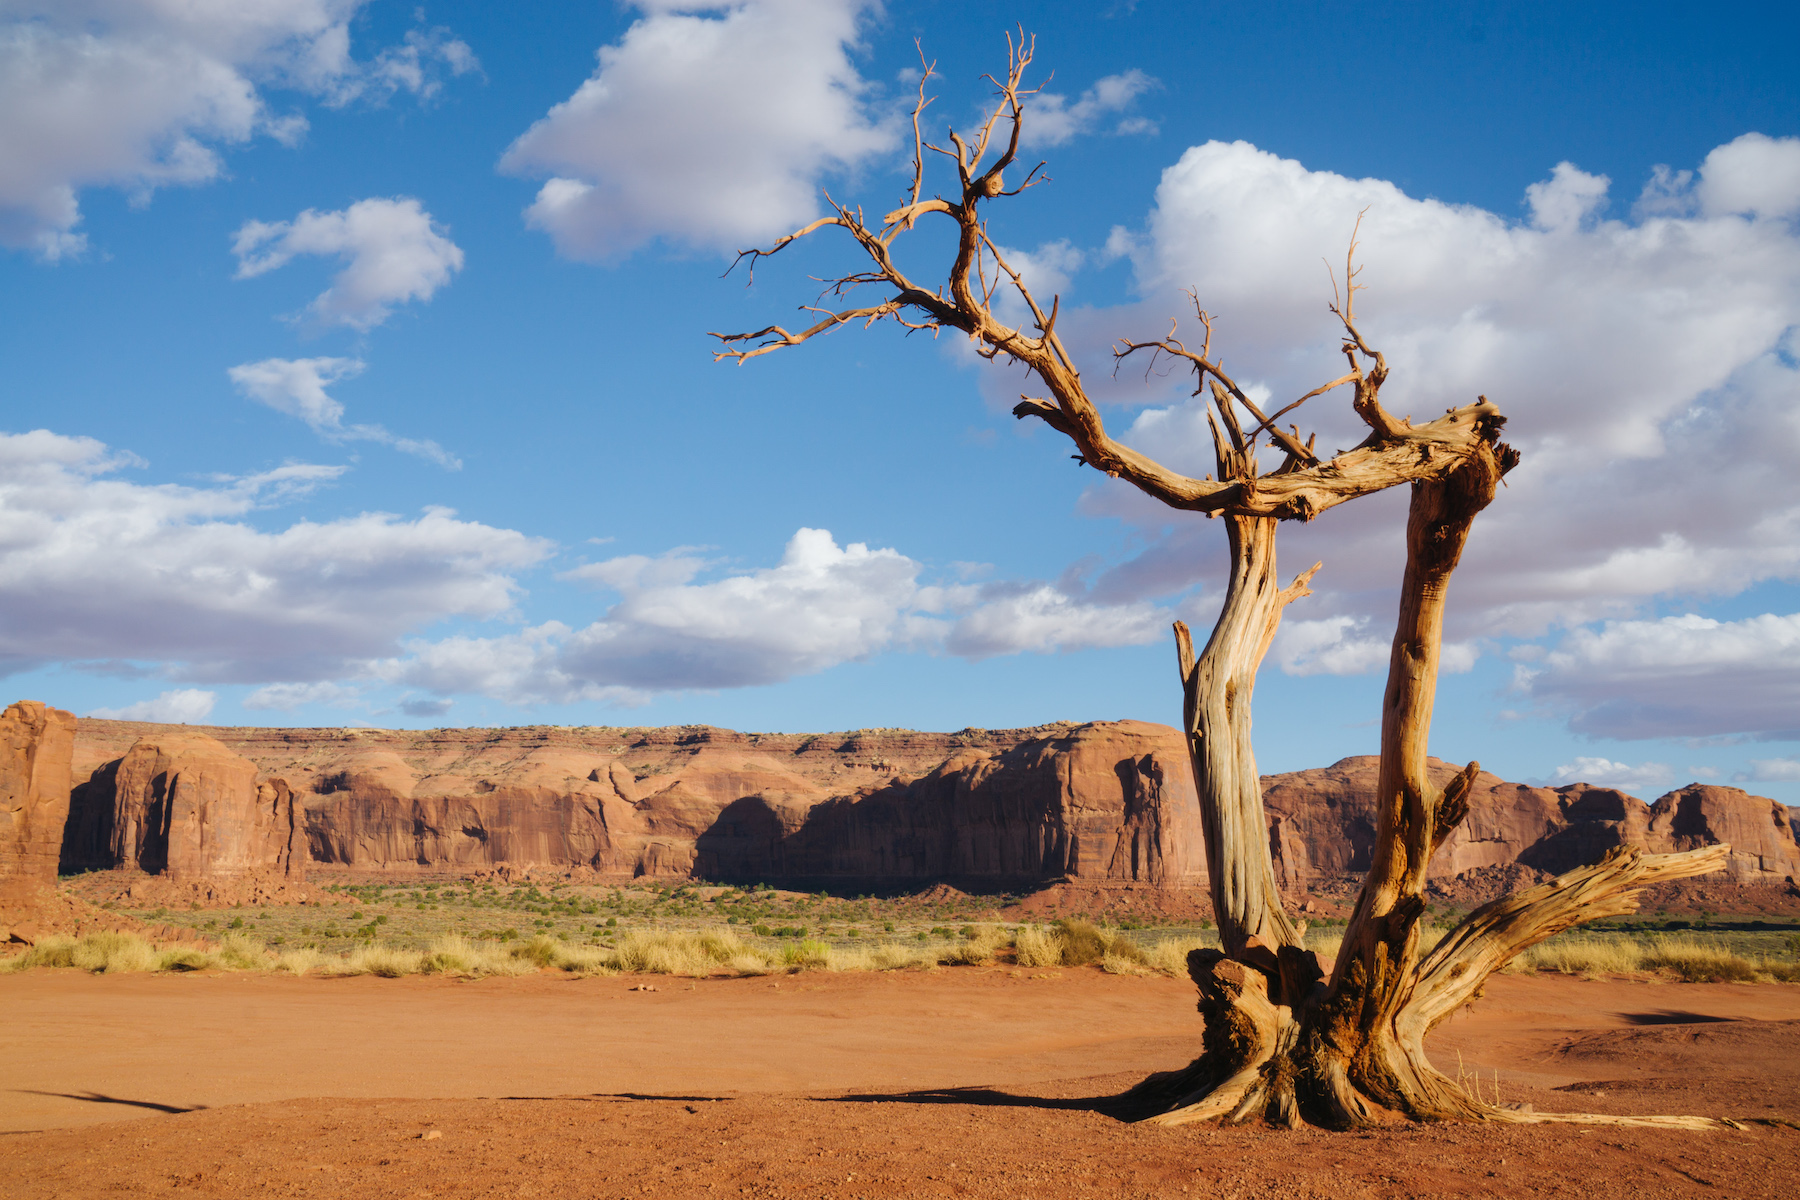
{"type": "Point", "coordinates": [222, 814]}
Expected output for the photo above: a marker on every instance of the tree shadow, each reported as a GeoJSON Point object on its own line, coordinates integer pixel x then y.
{"type": "Point", "coordinates": [600, 1097]}
{"type": "Point", "coordinates": [1117, 1107]}
{"type": "Point", "coordinates": [1671, 1016]}
{"type": "Point", "coordinates": [102, 1098]}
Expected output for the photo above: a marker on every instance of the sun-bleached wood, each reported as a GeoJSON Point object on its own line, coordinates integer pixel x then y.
{"type": "Point", "coordinates": [1282, 1040]}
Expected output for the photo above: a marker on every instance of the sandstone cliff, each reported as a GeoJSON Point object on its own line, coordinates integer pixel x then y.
{"type": "Point", "coordinates": [1098, 804]}
{"type": "Point", "coordinates": [36, 746]}
{"type": "Point", "coordinates": [1757, 829]}
{"type": "Point", "coordinates": [883, 808]}
{"type": "Point", "coordinates": [1322, 827]}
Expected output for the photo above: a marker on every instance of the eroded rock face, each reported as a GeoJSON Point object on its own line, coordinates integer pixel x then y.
{"type": "Point", "coordinates": [185, 804]}
{"type": "Point", "coordinates": [1761, 839]}
{"type": "Point", "coordinates": [36, 748]}
{"type": "Point", "coordinates": [1099, 802]}
{"type": "Point", "coordinates": [1107, 802]}
{"type": "Point", "coordinates": [1322, 826]}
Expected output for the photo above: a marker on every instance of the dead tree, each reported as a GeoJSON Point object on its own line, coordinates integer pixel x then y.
{"type": "Point", "coordinates": [1282, 1040]}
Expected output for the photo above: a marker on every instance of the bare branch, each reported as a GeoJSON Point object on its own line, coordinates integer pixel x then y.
{"type": "Point", "coordinates": [782, 338]}
{"type": "Point", "coordinates": [781, 244]}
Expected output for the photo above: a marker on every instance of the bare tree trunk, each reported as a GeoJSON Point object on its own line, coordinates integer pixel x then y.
{"type": "Point", "coordinates": [1217, 691]}
{"type": "Point", "coordinates": [1281, 1042]}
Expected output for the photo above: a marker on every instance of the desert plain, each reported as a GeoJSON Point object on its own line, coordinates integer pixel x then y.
{"type": "Point", "coordinates": [343, 963]}
{"type": "Point", "coordinates": [971, 1081]}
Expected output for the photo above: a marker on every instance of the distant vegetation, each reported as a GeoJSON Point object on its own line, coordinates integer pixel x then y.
{"type": "Point", "coordinates": [693, 930]}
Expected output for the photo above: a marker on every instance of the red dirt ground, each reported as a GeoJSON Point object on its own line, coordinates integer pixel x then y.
{"type": "Point", "coordinates": [980, 1082]}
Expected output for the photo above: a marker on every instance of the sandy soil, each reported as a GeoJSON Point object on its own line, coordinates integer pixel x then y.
{"type": "Point", "coordinates": [964, 1082]}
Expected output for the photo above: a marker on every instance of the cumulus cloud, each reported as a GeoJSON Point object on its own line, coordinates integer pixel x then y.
{"type": "Point", "coordinates": [1329, 646]}
{"type": "Point", "coordinates": [1650, 778]}
{"type": "Point", "coordinates": [114, 575]}
{"type": "Point", "coordinates": [1755, 175]}
{"type": "Point", "coordinates": [1648, 367]}
{"type": "Point", "coordinates": [821, 605]}
{"type": "Point", "coordinates": [286, 697]}
{"type": "Point", "coordinates": [143, 94]}
{"type": "Point", "coordinates": [1009, 618]}
{"type": "Point", "coordinates": [1345, 645]}
{"type": "Point", "coordinates": [1684, 676]}
{"type": "Point", "coordinates": [1771, 770]}
{"type": "Point", "coordinates": [393, 250]}
{"type": "Point", "coordinates": [296, 386]}
{"type": "Point", "coordinates": [181, 706]}
{"type": "Point", "coordinates": [1052, 119]}
{"type": "Point", "coordinates": [708, 124]}
{"type": "Point", "coordinates": [102, 570]}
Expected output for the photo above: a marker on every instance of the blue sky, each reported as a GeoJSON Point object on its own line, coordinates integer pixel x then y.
{"type": "Point", "coordinates": [356, 372]}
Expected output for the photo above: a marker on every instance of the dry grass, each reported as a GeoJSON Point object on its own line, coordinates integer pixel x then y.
{"type": "Point", "coordinates": [697, 953]}
{"type": "Point", "coordinates": [1036, 946]}
{"type": "Point", "coordinates": [1690, 959]}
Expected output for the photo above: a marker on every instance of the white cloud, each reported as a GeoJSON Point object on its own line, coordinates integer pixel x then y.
{"type": "Point", "coordinates": [296, 386]}
{"type": "Point", "coordinates": [288, 696]}
{"type": "Point", "coordinates": [1568, 200]}
{"type": "Point", "coordinates": [1347, 645]}
{"type": "Point", "coordinates": [1648, 367]}
{"type": "Point", "coordinates": [708, 123]}
{"type": "Point", "coordinates": [1649, 778]}
{"type": "Point", "coordinates": [114, 575]}
{"type": "Point", "coordinates": [395, 253]}
{"type": "Point", "coordinates": [99, 569]}
{"type": "Point", "coordinates": [1686, 676]}
{"type": "Point", "coordinates": [820, 606]}
{"type": "Point", "coordinates": [142, 94]}
{"type": "Point", "coordinates": [182, 706]}
{"type": "Point", "coordinates": [1051, 119]}
{"type": "Point", "coordinates": [1010, 618]}
{"type": "Point", "coordinates": [1771, 770]}
{"type": "Point", "coordinates": [1329, 646]}
{"type": "Point", "coordinates": [1754, 174]}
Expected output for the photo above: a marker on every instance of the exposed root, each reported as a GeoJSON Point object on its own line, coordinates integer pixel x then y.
{"type": "Point", "coordinates": [1282, 1046]}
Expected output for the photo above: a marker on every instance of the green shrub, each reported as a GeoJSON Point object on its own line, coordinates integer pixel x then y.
{"type": "Point", "coordinates": [808, 953]}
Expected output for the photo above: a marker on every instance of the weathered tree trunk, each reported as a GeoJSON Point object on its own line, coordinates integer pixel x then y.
{"type": "Point", "coordinates": [1281, 1041]}
{"type": "Point", "coordinates": [1217, 690]}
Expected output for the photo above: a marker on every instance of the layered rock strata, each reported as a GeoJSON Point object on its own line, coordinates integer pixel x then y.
{"type": "Point", "coordinates": [1104, 804]}
{"type": "Point", "coordinates": [883, 808]}
{"type": "Point", "coordinates": [1322, 826]}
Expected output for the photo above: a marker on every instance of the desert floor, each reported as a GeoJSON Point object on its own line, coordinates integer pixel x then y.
{"type": "Point", "coordinates": [980, 1081]}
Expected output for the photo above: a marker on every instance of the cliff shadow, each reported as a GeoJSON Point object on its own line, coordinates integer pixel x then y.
{"type": "Point", "coordinates": [87, 835]}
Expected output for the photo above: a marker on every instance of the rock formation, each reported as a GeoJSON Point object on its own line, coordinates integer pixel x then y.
{"type": "Point", "coordinates": [1099, 805]}
{"type": "Point", "coordinates": [186, 805]}
{"type": "Point", "coordinates": [1756, 828]}
{"type": "Point", "coordinates": [1321, 828]}
{"type": "Point", "coordinates": [881, 808]}
{"type": "Point", "coordinates": [36, 746]}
